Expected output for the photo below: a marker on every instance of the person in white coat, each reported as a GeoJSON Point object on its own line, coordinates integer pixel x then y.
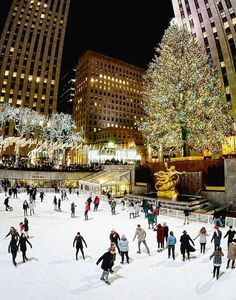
{"type": "Point", "coordinates": [31, 207]}
{"type": "Point", "coordinates": [123, 244]}
{"type": "Point", "coordinates": [202, 239]}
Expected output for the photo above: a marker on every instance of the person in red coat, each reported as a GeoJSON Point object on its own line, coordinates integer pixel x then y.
{"type": "Point", "coordinates": [160, 237]}
{"type": "Point", "coordinates": [96, 203]}
{"type": "Point", "coordinates": [87, 208]}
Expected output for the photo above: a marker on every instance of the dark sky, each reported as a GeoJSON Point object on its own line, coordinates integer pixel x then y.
{"type": "Point", "coordinates": [126, 29]}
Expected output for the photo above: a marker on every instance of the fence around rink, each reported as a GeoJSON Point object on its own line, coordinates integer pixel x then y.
{"type": "Point", "coordinates": [195, 217]}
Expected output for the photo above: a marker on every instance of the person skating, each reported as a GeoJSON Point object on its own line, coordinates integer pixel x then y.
{"type": "Point", "coordinates": [151, 220]}
{"type": "Point", "coordinates": [78, 243]}
{"type": "Point", "coordinates": [160, 237]}
{"type": "Point", "coordinates": [230, 234]}
{"type": "Point", "coordinates": [113, 207]}
{"type": "Point", "coordinates": [25, 207]}
{"type": "Point", "coordinates": [123, 244]}
{"type": "Point", "coordinates": [31, 207]}
{"type": "Point", "coordinates": [12, 248]}
{"type": "Point", "coordinates": [22, 243]}
{"type": "Point", "coordinates": [55, 202]}
{"type": "Point", "coordinates": [41, 195]}
{"type": "Point", "coordinates": [166, 231]}
{"type": "Point", "coordinates": [59, 204]}
{"type": "Point", "coordinates": [107, 262]}
{"type": "Point", "coordinates": [26, 227]}
{"type": "Point", "coordinates": [231, 254]}
{"type": "Point", "coordinates": [186, 216]}
{"type": "Point", "coordinates": [155, 213]}
{"type": "Point", "coordinates": [141, 234]}
{"type": "Point", "coordinates": [202, 239]}
{"type": "Point", "coordinates": [217, 261]}
{"type": "Point", "coordinates": [185, 246]}
{"type": "Point", "coordinates": [22, 227]}
{"type": "Point", "coordinates": [6, 203]}
{"type": "Point", "coordinates": [216, 237]}
{"type": "Point", "coordinates": [86, 210]}
{"type": "Point", "coordinates": [131, 210]}
{"type": "Point", "coordinates": [171, 241]}
{"type": "Point", "coordinates": [72, 209]}
{"type": "Point", "coordinates": [89, 201]}
{"type": "Point", "coordinates": [114, 238]}
{"type": "Point", "coordinates": [217, 218]}
{"type": "Point", "coordinates": [96, 203]}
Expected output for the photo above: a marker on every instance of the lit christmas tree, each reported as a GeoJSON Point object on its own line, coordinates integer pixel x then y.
{"type": "Point", "coordinates": [183, 99]}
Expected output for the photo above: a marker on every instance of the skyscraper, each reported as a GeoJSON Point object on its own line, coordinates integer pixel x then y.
{"type": "Point", "coordinates": [30, 53]}
{"type": "Point", "coordinates": [67, 92]}
{"type": "Point", "coordinates": [108, 104]}
{"type": "Point", "coordinates": [213, 23]}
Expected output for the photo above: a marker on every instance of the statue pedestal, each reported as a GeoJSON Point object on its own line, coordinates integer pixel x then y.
{"type": "Point", "coordinates": [172, 195]}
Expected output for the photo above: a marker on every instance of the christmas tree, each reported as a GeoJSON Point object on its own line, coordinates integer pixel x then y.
{"type": "Point", "coordinates": [183, 97]}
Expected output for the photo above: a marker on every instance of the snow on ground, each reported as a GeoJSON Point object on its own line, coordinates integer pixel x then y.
{"type": "Point", "coordinates": [52, 273]}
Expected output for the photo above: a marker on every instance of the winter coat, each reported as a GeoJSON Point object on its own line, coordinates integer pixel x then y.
{"type": "Point", "coordinates": [186, 212]}
{"type": "Point", "coordinates": [25, 205]}
{"type": "Point", "coordinates": [166, 231]}
{"type": "Point", "coordinates": [131, 209]}
{"type": "Point", "coordinates": [107, 261]}
{"type": "Point", "coordinates": [160, 233]}
{"type": "Point", "coordinates": [89, 200]}
{"type": "Point", "coordinates": [79, 240]}
{"type": "Point", "coordinates": [185, 243]}
{"type": "Point", "coordinates": [230, 233]}
{"type": "Point", "coordinates": [141, 233]}
{"type": "Point", "coordinates": [22, 243]}
{"type": "Point", "coordinates": [217, 237]}
{"type": "Point", "coordinates": [31, 205]}
{"type": "Point", "coordinates": [123, 245]}
{"type": "Point", "coordinates": [87, 207]}
{"type": "Point", "coordinates": [6, 201]}
{"type": "Point", "coordinates": [171, 240]}
{"type": "Point", "coordinates": [113, 204]}
{"type": "Point", "coordinates": [137, 208]}
{"type": "Point", "coordinates": [202, 238]}
{"type": "Point", "coordinates": [155, 211]}
{"type": "Point", "coordinates": [26, 223]}
{"type": "Point", "coordinates": [96, 200]}
{"type": "Point", "coordinates": [114, 237]}
{"type": "Point", "coordinates": [151, 219]}
{"type": "Point", "coordinates": [217, 261]}
{"type": "Point", "coordinates": [232, 251]}
{"type": "Point", "coordinates": [72, 207]}
{"type": "Point", "coordinates": [13, 246]}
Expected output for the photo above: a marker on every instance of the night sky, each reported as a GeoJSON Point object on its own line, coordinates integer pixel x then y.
{"type": "Point", "coordinates": [126, 29]}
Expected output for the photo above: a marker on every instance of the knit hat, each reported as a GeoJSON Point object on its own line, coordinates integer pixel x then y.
{"type": "Point", "coordinates": [216, 227]}
{"type": "Point", "coordinates": [184, 231]}
{"type": "Point", "coordinates": [138, 225]}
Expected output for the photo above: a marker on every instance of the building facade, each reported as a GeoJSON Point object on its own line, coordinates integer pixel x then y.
{"type": "Point", "coordinates": [108, 106]}
{"type": "Point", "coordinates": [30, 53]}
{"type": "Point", "coordinates": [213, 23]}
{"type": "Point", "coordinates": [67, 92]}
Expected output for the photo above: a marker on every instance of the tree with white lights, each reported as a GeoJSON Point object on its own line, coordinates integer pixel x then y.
{"type": "Point", "coordinates": [183, 97]}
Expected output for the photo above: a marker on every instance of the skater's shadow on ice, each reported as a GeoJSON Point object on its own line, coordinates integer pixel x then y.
{"type": "Point", "coordinates": [205, 287]}
{"type": "Point", "coordinates": [169, 264]}
{"type": "Point", "coordinates": [91, 283]}
{"type": "Point", "coordinates": [29, 260]}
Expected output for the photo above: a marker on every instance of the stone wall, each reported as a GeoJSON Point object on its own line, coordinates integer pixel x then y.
{"type": "Point", "coordinates": [230, 182]}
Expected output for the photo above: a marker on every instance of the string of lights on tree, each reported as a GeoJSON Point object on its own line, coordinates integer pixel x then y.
{"type": "Point", "coordinates": [183, 97]}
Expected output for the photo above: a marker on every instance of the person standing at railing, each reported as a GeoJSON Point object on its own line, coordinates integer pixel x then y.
{"type": "Point", "coordinates": [186, 216]}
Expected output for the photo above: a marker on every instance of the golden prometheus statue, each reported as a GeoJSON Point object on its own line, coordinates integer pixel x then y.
{"type": "Point", "coordinates": [166, 183]}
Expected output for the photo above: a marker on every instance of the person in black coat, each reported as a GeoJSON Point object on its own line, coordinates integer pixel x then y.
{"type": "Point", "coordinates": [185, 244]}
{"type": "Point", "coordinates": [22, 243]}
{"type": "Point", "coordinates": [107, 261]}
{"type": "Point", "coordinates": [79, 240]}
{"type": "Point", "coordinates": [13, 232]}
{"type": "Point", "coordinates": [230, 234]}
{"type": "Point", "coordinates": [89, 200]}
{"type": "Point", "coordinates": [13, 248]}
{"type": "Point", "coordinates": [6, 202]}
{"type": "Point", "coordinates": [114, 238]}
{"type": "Point", "coordinates": [25, 207]}
{"type": "Point", "coordinates": [26, 227]}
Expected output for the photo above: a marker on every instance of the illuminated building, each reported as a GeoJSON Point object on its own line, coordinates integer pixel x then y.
{"type": "Point", "coordinates": [30, 53]}
{"type": "Point", "coordinates": [108, 107]}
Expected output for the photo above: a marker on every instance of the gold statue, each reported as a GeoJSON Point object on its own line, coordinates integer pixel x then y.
{"type": "Point", "coordinates": [166, 183]}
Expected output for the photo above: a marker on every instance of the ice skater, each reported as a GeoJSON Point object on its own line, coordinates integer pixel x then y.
{"type": "Point", "coordinates": [185, 246]}
{"type": "Point", "coordinates": [25, 207]}
{"type": "Point", "coordinates": [12, 248]}
{"type": "Point", "coordinates": [86, 210]}
{"type": "Point", "coordinates": [107, 262]}
{"type": "Point", "coordinates": [78, 243]}
{"type": "Point", "coordinates": [217, 261]}
{"type": "Point", "coordinates": [22, 243]}
{"type": "Point", "coordinates": [123, 244]}
{"type": "Point", "coordinates": [171, 241]}
{"type": "Point", "coordinates": [26, 227]}
{"type": "Point", "coordinates": [141, 234]}
{"type": "Point", "coordinates": [72, 209]}
{"type": "Point", "coordinates": [202, 239]}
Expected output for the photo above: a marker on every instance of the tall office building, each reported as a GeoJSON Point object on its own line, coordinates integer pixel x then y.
{"type": "Point", "coordinates": [213, 23]}
{"type": "Point", "coordinates": [108, 105]}
{"type": "Point", "coordinates": [67, 92]}
{"type": "Point", "coordinates": [30, 53]}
